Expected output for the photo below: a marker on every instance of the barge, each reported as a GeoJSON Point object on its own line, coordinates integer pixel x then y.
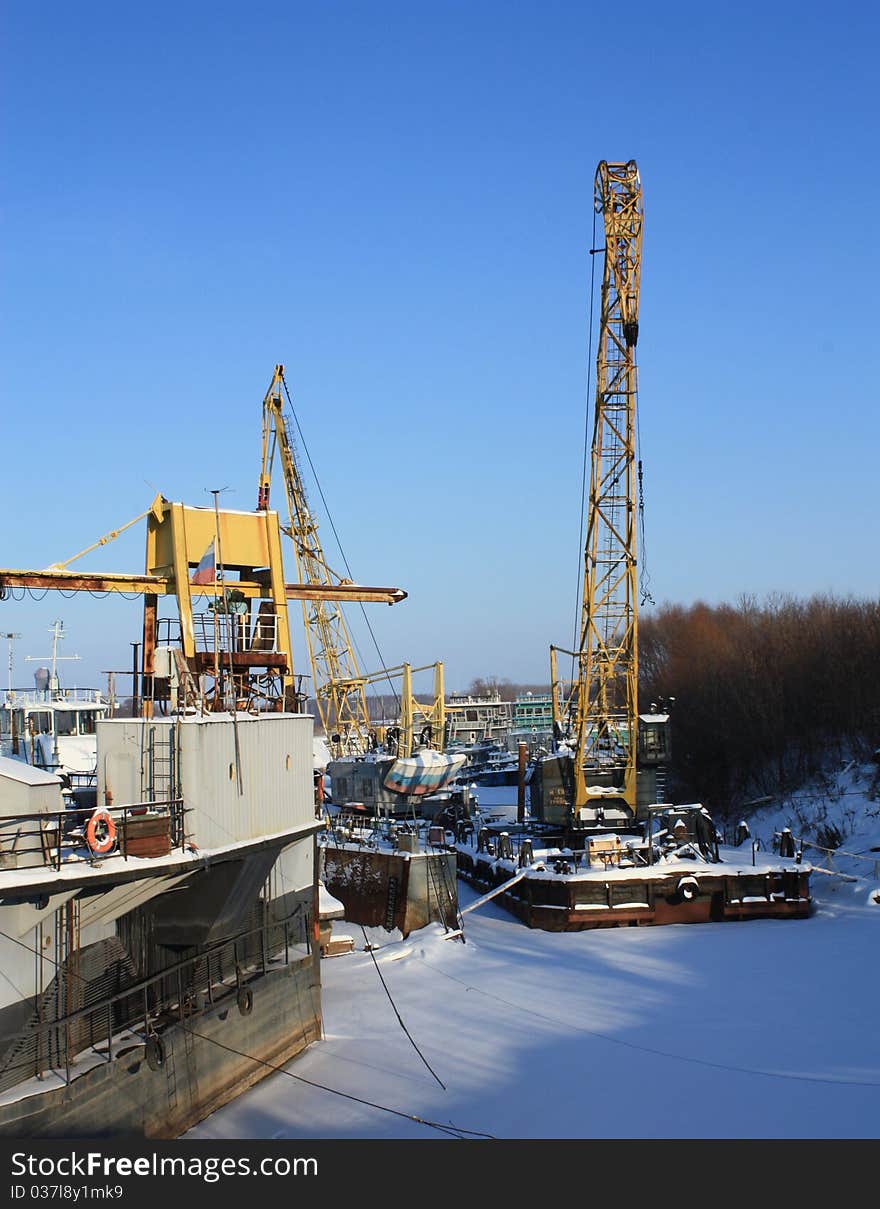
{"type": "Point", "coordinates": [672, 870]}
{"type": "Point", "coordinates": [390, 874]}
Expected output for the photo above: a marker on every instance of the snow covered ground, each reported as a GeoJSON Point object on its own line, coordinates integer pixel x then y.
{"type": "Point", "coordinates": [764, 1029]}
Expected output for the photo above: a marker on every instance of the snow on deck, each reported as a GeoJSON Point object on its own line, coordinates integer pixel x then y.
{"type": "Point", "coordinates": [734, 862]}
{"type": "Point", "coordinates": [78, 870]}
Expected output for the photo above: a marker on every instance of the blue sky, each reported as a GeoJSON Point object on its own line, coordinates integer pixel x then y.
{"type": "Point", "coordinates": [395, 200]}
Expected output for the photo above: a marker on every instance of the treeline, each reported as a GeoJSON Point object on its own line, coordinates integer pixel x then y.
{"type": "Point", "coordinates": [764, 693]}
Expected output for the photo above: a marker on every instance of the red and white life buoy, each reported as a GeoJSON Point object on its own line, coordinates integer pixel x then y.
{"type": "Point", "coordinates": [100, 832]}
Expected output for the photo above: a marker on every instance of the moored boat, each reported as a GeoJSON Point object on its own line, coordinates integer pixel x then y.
{"type": "Point", "coordinates": [671, 870]}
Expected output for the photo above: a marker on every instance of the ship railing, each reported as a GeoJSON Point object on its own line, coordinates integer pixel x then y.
{"type": "Point", "coordinates": [140, 1011]}
{"type": "Point", "coordinates": [229, 632]}
{"type": "Point", "coordinates": [53, 839]}
{"type": "Point", "coordinates": [522, 849]}
{"type": "Point", "coordinates": [18, 698]}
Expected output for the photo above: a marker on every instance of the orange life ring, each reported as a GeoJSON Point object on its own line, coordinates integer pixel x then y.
{"type": "Point", "coordinates": [108, 830]}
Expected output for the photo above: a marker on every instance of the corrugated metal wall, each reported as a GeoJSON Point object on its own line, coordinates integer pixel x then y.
{"type": "Point", "coordinates": [275, 754]}
{"type": "Point", "coordinates": [276, 768]}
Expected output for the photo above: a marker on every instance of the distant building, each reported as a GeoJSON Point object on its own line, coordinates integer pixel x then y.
{"type": "Point", "coordinates": [470, 719]}
{"type": "Point", "coordinates": [532, 721]}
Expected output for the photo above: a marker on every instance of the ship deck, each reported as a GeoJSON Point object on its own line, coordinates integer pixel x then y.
{"type": "Point", "coordinates": [565, 890]}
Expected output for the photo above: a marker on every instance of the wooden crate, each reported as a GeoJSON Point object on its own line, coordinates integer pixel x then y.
{"type": "Point", "coordinates": [605, 850]}
{"type": "Point", "coordinates": [149, 835]}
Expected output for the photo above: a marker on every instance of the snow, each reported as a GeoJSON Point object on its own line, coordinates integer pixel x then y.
{"type": "Point", "coordinates": [328, 906]}
{"type": "Point", "coordinates": [757, 1029]}
{"type": "Point", "coordinates": [26, 774]}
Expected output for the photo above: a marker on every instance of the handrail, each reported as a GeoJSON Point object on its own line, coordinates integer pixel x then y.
{"type": "Point", "coordinates": [61, 850]}
{"type": "Point", "coordinates": [192, 976]}
{"type": "Point", "coordinates": [832, 852]}
{"type": "Point", "coordinates": [70, 811]}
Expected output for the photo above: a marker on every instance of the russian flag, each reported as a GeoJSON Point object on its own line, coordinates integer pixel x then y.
{"type": "Point", "coordinates": [206, 570]}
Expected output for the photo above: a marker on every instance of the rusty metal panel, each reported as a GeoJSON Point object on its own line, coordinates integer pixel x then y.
{"type": "Point", "coordinates": [387, 890]}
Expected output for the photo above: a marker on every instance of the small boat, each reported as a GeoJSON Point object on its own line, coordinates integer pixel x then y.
{"type": "Point", "coordinates": [51, 727]}
{"type": "Point", "coordinates": [382, 784]}
{"type": "Point", "coordinates": [426, 772]}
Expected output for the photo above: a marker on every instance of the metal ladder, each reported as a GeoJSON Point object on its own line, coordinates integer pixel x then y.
{"type": "Point", "coordinates": [161, 765]}
{"type": "Point", "coordinates": [445, 896]}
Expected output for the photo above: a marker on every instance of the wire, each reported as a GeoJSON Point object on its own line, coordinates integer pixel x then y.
{"type": "Point", "coordinates": [644, 577]}
{"type": "Point", "coordinates": [453, 1130]}
{"type": "Point", "coordinates": [369, 949]}
{"type": "Point", "coordinates": [60, 966]}
{"type": "Point", "coordinates": [580, 575]}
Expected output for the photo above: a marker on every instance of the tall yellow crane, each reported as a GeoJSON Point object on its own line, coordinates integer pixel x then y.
{"type": "Point", "coordinates": [338, 686]}
{"type": "Point", "coordinates": [599, 709]}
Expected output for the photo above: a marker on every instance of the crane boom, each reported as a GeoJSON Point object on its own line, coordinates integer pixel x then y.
{"type": "Point", "coordinates": [338, 686]}
{"type": "Point", "coordinates": [603, 703]}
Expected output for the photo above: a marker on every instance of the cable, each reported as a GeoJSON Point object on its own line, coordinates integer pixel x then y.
{"type": "Point", "coordinates": [575, 645]}
{"type": "Point", "coordinates": [453, 1130]}
{"type": "Point", "coordinates": [644, 577]}
{"type": "Point", "coordinates": [60, 966]}
{"type": "Point", "coordinates": [659, 1053]}
{"type": "Point", "coordinates": [369, 949]}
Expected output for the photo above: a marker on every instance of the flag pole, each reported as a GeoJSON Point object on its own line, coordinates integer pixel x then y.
{"type": "Point", "coordinates": [219, 576]}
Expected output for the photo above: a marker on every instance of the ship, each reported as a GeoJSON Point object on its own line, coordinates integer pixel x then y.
{"type": "Point", "coordinates": [162, 947]}
{"type": "Point", "coordinates": [51, 726]}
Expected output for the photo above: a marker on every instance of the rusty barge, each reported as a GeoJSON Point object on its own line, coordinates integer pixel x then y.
{"type": "Point", "coordinates": [390, 874]}
{"type": "Point", "coordinates": [673, 870]}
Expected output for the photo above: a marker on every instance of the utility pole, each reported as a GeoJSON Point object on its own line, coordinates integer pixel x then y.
{"type": "Point", "coordinates": [111, 686]}
{"type": "Point", "coordinates": [135, 696]}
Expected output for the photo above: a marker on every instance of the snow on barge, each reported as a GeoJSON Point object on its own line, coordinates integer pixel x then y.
{"type": "Point", "coordinates": [671, 871]}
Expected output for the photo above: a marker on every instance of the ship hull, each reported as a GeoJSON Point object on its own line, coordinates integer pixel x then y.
{"type": "Point", "coordinates": [208, 1059]}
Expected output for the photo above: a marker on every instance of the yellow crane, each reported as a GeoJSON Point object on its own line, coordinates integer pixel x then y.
{"type": "Point", "coordinates": [338, 686]}
{"type": "Point", "coordinates": [598, 710]}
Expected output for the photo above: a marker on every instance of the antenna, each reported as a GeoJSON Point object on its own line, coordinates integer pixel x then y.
{"type": "Point", "coordinates": [11, 639]}
{"type": "Point", "coordinates": [56, 629]}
